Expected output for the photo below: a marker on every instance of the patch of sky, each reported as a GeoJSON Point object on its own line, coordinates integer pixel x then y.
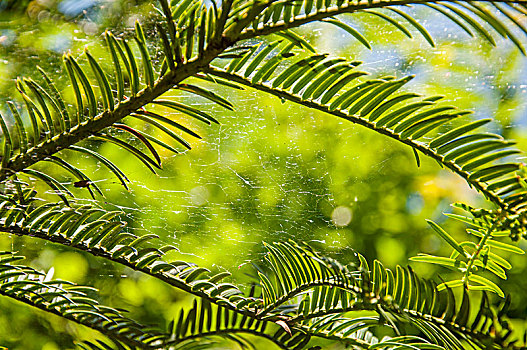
{"type": "Point", "coordinates": [439, 27]}
{"type": "Point", "coordinates": [521, 83]}
{"type": "Point", "coordinates": [521, 119]}
{"type": "Point", "coordinates": [7, 37]}
{"type": "Point", "coordinates": [58, 42]}
{"type": "Point", "coordinates": [72, 8]}
{"type": "Point", "coordinates": [382, 57]}
{"type": "Point", "coordinates": [415, 203]}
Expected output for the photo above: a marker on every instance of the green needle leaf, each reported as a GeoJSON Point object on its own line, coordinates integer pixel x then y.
{"type": "Point", "coordinates": [446, 237]}
{"type": "Point", "coordinates": [88, 90]}
{"type": "Point", "coordinates": [102, 79]}
{"type": "Point", "coordinates": [416, 25]}
{"type": "Point", "coordinates": [352, 31]}
{"type": "Point", "coordinates": [147, 62]}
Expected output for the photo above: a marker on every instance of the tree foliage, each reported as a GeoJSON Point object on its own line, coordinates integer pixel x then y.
{"type": "Point", "coordinates": [299, 295]}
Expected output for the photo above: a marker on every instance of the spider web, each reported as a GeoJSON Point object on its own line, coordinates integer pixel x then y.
{"type": "Point", "coordinates": [276, 171]}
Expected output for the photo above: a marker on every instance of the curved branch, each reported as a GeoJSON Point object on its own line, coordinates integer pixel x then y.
{"type": "Point", "coordinates": [70, 301]}
{"type": "Point", "coordinates": [375, 301]}
{"type": "Point", "coordinates": [347, 7]}
{"type": "Point", "coordinates": [397, 297]}
{"type": "Point", "coordinates": [107, 118]}
{"type": "Point", "coordinates": [424, 148]}
{"type": "Point", "coordinates": [298, 290]}
{"type": "Point", "coordinates": [107, 331]}
{"type": "Point", "coordinates": [174, 279]}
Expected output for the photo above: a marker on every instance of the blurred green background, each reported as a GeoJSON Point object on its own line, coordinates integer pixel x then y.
{"type": "Point", "coordinates": [271, 171]}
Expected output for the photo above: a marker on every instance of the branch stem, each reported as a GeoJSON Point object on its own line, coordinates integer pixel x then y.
{"type": "Point", "coordinates": [479, 248]}
{"type": "Point", "coordinates": [107, 118]}
{"type": "Point", "coordinates": [423, 148]}
{"type": "Point", "coordinates": [348, 7]}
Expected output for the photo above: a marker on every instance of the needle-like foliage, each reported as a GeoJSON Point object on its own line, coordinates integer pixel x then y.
{"type": "Point", "coordinates": [300, 294]}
